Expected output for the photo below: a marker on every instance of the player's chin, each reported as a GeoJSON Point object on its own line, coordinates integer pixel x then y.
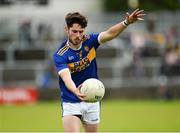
{"type": "Point", "coordinates": [77, 42]}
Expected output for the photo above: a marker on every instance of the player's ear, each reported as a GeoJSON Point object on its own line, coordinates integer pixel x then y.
{"type": "Point", "coordinates": [66, 29]}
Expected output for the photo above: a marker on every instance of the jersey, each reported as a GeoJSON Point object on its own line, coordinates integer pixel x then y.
{"type": "Point", "coordinates": [81, 63]}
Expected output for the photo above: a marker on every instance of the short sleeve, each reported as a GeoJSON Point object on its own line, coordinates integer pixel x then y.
{"type": "Point", "coordinates": [94, 40]}
{"type": "Point", "coordinates": [60, 62]}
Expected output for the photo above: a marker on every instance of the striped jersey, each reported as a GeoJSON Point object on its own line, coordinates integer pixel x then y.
{"type": "Point", "coordinates": [81, 63]}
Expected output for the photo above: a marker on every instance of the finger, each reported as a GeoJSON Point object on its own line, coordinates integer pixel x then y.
{"type": "Point", "coordinates": [139, 12]}
{"type": "Point", "coordinates": [127, 15]}
{"type": "Point", "coordinates": [83, 98]}
{"type": "Point", "coordinates": [79, 87]}
{"type": "Point", "coordinates": [82, 95]}
{"type": "Point", "coordinates": [141, 15]}
{"type": "Point", "coordinates": [141, 19]}
{"type": "Point", "coordinates": [135, 11]}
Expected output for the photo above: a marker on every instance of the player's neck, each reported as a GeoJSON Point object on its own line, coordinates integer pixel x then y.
{"type": "Point", "coordinates": [74, 47]}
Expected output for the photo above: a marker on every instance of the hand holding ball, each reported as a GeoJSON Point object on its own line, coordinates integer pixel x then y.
{"type": "Point", "coordinates": [93, 89]}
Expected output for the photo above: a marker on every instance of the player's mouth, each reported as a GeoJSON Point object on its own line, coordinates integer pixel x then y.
{"type": "Point", "coordinates": [77, 41]}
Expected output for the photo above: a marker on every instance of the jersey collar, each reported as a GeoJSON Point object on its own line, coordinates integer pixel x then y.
{"type": "Point", "coordinates": [67, 43]}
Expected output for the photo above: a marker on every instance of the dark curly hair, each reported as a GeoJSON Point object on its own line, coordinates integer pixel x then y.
{"type": "Point", "coordinates": [76, 17]}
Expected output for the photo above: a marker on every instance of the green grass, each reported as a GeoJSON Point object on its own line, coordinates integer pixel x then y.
{"type": "Point", "coordinates": [117, 115]}
{"type": "Point", "coordinates": [141, 116]}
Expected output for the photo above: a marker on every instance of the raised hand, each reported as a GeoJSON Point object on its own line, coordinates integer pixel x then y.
{"type": "Point", "coordinates": [134, 16]}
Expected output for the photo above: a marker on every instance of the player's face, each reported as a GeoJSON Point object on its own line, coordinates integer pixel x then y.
{"type": "Point", "coordinates": [75, 34]}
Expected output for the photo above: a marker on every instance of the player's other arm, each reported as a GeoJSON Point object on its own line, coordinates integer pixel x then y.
{"type": "Point", "coordinates": [66, 77]}
{"type": "Point", "coordinates": [116, 29]}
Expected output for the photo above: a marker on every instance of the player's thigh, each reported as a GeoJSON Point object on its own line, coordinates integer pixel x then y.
{"type": "Point", "coordinates": [71, 123]}
{"type": "Point", "coordinates": [70, 113]}
{"type": "Point", "coordinates": [71, 109]}
{"type": "Point", "coordinates": [90, 127]}
{"type": "Point", "coordinates": [92, 114]}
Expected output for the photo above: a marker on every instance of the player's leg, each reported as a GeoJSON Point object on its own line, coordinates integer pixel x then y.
{"type": "Point", "coordinates": [90, 127]}
{"type": "Point", "coordinates": [71, 123]}
{"type": "Point", "coordinates": [92, 117]}
{"type": "Point", "coordinates": [71, 113]}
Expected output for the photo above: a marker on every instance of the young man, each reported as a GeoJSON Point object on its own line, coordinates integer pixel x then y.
{"type": "Point", "coordinates": [75, 61]}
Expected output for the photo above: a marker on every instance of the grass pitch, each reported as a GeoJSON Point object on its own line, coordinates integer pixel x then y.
{"type": "Point", "coordinates": [116, 115]}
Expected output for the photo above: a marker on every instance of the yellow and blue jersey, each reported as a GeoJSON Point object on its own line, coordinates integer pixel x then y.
{"type": "Point", "coordinates": [81, 63]}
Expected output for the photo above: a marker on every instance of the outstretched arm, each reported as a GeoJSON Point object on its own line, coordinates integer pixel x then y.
{"type": "Point", "coordinates": [115, 30]}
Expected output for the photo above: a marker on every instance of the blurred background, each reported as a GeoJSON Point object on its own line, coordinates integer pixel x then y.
{"type": "Point", "coordinates": [141, 64]}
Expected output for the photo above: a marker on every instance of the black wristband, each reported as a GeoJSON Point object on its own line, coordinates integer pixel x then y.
{"type": "Point", "coordinates": [125, 23]}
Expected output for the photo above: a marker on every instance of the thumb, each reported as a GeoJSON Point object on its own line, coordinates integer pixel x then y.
{"type": "Point", "coordinates": [127, 17]}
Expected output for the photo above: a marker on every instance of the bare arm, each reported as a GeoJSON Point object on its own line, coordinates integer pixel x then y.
{"type": "Point", "coordinates": [115, 30]}
{"type": "Point", "coordinates": [66, 77]}
{"type": "Point", "coordinates": [111, 33]}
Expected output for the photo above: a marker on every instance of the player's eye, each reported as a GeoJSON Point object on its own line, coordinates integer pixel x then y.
{"type": "Point", "coordinates": [74, 31]}
{"type": "Point", "coordinates": [80, 32]}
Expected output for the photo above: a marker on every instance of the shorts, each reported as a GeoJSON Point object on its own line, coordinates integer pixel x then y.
{"type": "Point", "coordinates": [89, 112]}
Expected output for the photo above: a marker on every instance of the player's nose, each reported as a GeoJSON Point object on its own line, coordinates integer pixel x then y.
{"type": "Point", "coordinates": [78, 34]}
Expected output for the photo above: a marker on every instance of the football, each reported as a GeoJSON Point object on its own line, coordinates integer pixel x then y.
{"type": "Point", "coordinates": [93, 89]}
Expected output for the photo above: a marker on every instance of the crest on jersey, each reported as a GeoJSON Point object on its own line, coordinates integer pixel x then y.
{"type": "Point", "coordinates": [86, 48]}
{"type": "Point", "coordinates": [80, 54]}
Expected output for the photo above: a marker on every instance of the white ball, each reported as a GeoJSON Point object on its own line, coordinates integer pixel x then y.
{"type": "Point", "coordinates": [93, 89]}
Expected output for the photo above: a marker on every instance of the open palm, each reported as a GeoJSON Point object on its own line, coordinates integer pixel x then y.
{"type": "Point", "coordinates": [134, 16]}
